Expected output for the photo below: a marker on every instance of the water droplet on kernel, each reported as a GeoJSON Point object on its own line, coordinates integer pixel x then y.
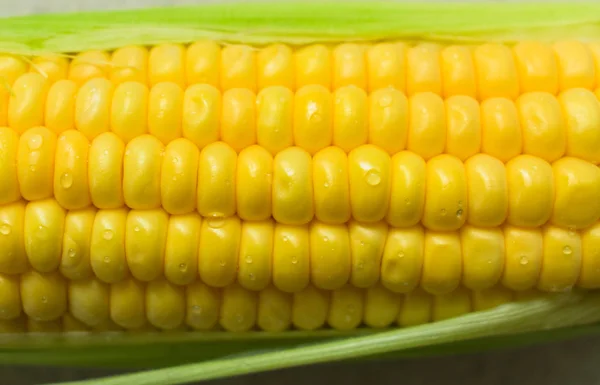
{"type": "Point", "coordinates": [216, 221]}
{"type": "Point", "coordinates": [222, 263]}
{"type": "Point", "coordinates": [249, 259]}
{"type": "Point", "coordinates": [107, 235]}
{"type": "Point", "coordinates": [32, 168]}
{"type": "Point", "coordinates": [373, 177]}
{"type": "Point", "coordinates": [239, 318]}
{"type": "Point", "coordinates": [72, 253]}
{"type": "Point", "coordinates": [5, 229]}
{"type": "Point", "coordinates": [360, 266]}
{"type": "Point", "coordinates": [401, 255]}
{"type": "Point", "coordinates": [567, 250]}
{"type": "Point", "coordinates": [35, 142]}
{"type": "Point", "coordinates": [294, 260]}
{"type": "Point", "coordinates": [107, 259]}
{"type": "Point", "coordinates": [315, 117]}
{"type": "Point", "coordinates": [459, 213]}
{"type": "Point", "coordinates": [571, 231]}
{"type": "Point", "coordinates": [251, 276]}
{"type": "Point", "coordinates": [385, 101]}
{"type": "Point", "coordinates": [66, 180]}
{"type": "Point", "coordinates": [407, 201]}
{"type": "Point", "coordinates": [41, 232]}
{"type": "Point", "coordinates": [136, 229]}
{"type": "Point", "coordinates": [443, 212]}
{"type": "Point", "coordinates": [105, 152]}
{"type": "Point", "coordinates": [326, 185]}
{"type": "Point", "coordinates": [286, 238]}
{"type": "Point", "coordinates": [183, 267]}
{"type": "Point", "coordinates": [44, 299]}
{"type": "Point", "coordinates": [523, 260]}
{"type": "Point", "coordinates": [325, 239]}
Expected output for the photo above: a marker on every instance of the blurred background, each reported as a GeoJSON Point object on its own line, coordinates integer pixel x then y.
{"type": "Point", "coordinates": [572, 362]}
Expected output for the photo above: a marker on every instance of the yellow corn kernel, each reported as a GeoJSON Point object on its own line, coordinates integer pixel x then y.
{"type": "Point", "coordinates": [129, 64]}
{"type": "Point", "coordinates": [388, 120]}
{"type": "Point", "coordinates": [423, 69]}
{"type": "Point", "coordinates": [89, 301]}
{"type": "Point", "coordinates": [531, 191]}
{"type": "Point", "coordinates": [451, 305]}
{"type": "Point", "coordinates": [416, 308]}
{"type": "Point", "coordinates": [9, 182]}
{"type": "Point", "coordinates": [464, 127]}
{"type": "Point", "coordinates": [313, 118]}
{"type": "Point", "coordinates": [59, 115]}
{"type": "Point", "coordinates": [346, 308]}
{"type": "Point", "coordinates": [275, 65]}
{"type": "Point", "coordinates": [291, 258]}
{"type": "Point", "coordinates": [386, 66]}
{"type": "Point", "coordinates": [313, 66]}
{"type": "Point", "coordinates": [562, 259]}
{"type": "Point", "coordinates": [330, 260]}
{"type": "Point", "coordinates": [72, 325]}
{"type": "Point", "coordinates": [254, 172]}
{"type": "Point", "coordinates": [179, 177]}
{"type": "Point", "coordinates": [107, 251]}
{"type": "Point", "coordinates": [4, 98]}
{"type": "Point", "coordinates": [27, 102]}
{"type": "Point", "coordinates": [402, 259]}
{"type": "Point", "coordinates": [203, 304]}
{"type": "Point", "coordinates": [165, 304]}
{"type": "Point", "coordinates": [427, 125]}
{"type": "Point", "coordinates": [89, 65]}
{"type": "Point", "coordinates": [577, 187]}
{"type": "Point", "coordinates": [44, 296]}
{"type": "Point", "coordinates": [349, 66]}
{"type": "Point", "coordinates": [330, 186]}
{"type": "Point", "coordinates": [201, 114]}
{"type": "Point", "coordinates": [239, 309]}
{"type": "Point", "coordinates": [594, 48]}
{"type": "Point", "coordinates": [11, 67]}
{"type": "Point", "coordinates": [44, 228]}
{"type": "Point", "coordinates": [491, 298]}
{"type": "Point", "coordinates": [487, 190]}
{"type": "Point", "coordinates": [274, 313]}
{"type": "Point", "coordinates": [71, 186]}
{"type": "Point", "coordinates": [105, 171]}
{"type": "Point", "coordinates": [500, 129]}
{"type": "Point", "coordinates": [458, 72]}
{"type": "Point", "coordinates": [165, 106]}
{"type": "Point", "coordinates": [166, 63]}
{"type": "Point", "coordinates": [483, 253]}
{"type": "Point", "coordinates": [51, 67]}
{"type": "Point", "coordinates": [45, 327]}
{"type": "Point", "coordinates": [14, 326]}
{"type": "Point", "coordinates": [445, 194]}
{"type": "Point", "coordinates": [92, 107]}
{"type": "Point", "coordinates": [238, 67]}
{"type": "Point", "coordinates": [275, 118]}
{"type": "Point", "coordinates": [256, 255]}
{"type": "Point", "coordinates": [35, 162]}
{"type": "Point", "coordinates": [407, 190]}
{"type": "Point", "coordinates": [13, 259]}
{"type": "Point", "coordinates": [310, 308]}
{"type": "Point", "coordinates": [10, 300]}
{"type": "Point", "coordinates": [442, 262]}
{"type": "Point", "coordinates": [496, 72]}
{"type": "Point", "coordinates": [129, 111]}
{"type": "Point", "coordinates": [181, 250]}
{"type": "Point", "coordinates": [238, 118]}
{"type": "Point", "coordinates": [145, 242]}
{"type": "Point", "coordinates": [202, 61]}
{"type": "Point", "coordinates": [590, 258]}
{"type": "Point", "coordinates": [127, 304]}
{"type": "Point", "coordinates": [142, 165]}
{"type": "Point", "coordinates": [219, 250]}
{"type": "Point", "coordinates": [582, 112]}
{"type": "Point", "coordinates": [350, 118]}
{"type": "Point", "coordinates": [216, 181]}
{"type": "Point", "coordinates": [537, 67]}
{"type": "Point", "coordinates": [576, 66]}
{"type": "Point", "coordinates": [293, 201]}
{"type": "Point", "coordinates": [543, 126]}
{"type": "Point", "coordinates": [367, 244]}
{"type": "Point", "coordinates": [369, 171]}
{"type": "Point", "coordinates": [76, 244]}
{"type": "Point", "coordinates": [381, 307]}
{"type": "Point", "coordinates": [524, 253]}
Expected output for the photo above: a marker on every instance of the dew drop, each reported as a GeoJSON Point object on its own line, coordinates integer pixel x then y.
{"type": "Point", "coordinates": [326, 185]}
{"type": "Point", "coordinates": [105, 152]}
{"type": "Point", "coordinates": [72, 253]}
{"type": "Point", "coordinates": [239, 318]}
{"type": "Point", "coordinates": [35, 142]}
{"type": "Point", "coordinates": [44, 299]}
{"type": "Point", "coordinates": [136, 229]}
{"type": "Point", "coordinates": [360, 266]}
{"type": "Point", "coordinates": [5, 229]}
{"type": "Point", "coordinates": [373, 177]}
{"type": "Point", "coordinates": [407, 202]}
{"type": "Point", "coordinates": [325, 239]}
{"type": "Point", "coordinates": [401, 255]}
{"type": "Point", "coordinates": [41, 232]}
{"type": "Point", "coordinates": [315, 117]}
{"type": "Point", "coordinates": [107, 259]}
{"type": "Point", "coordinates": [385, 101]}
{"type": "Point", "coordinates": [196, 308]}
{"type": "Point", "coordinates": [183, 267]}
{"type": "Point", "coordinates": [294, 260]}
{"type": "Point", "coordinates": [443, 212]}
{"type": "Point", "coordinates": [252, 277]}
{"type": "Point", "coordinates": [66, 180]}
{"type": "Point", "coordinates": [32, 168]}
{"type": "Point", "coordinates": [216, 221]}
{"type": "Point", "coordinates": [286, 238]}
{"type": "Point", "coordinates": [107, 235]}
{"type": "Point", "coordinates": [523, 260]}
{"type": "Point", "coordinates": [248, 259]}
{"type": "Point", "coordinates": [459, 213]}
{"type": "Point", "coordinates": [567, 250]}
{"type": "Point", "coordinates": [222, 263]}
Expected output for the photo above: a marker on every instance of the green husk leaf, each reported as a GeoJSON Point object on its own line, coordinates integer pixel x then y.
{"type": "Point", "coordinates": [296, 22]}
{"type": "Point", "coordinates": [559, 315]}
